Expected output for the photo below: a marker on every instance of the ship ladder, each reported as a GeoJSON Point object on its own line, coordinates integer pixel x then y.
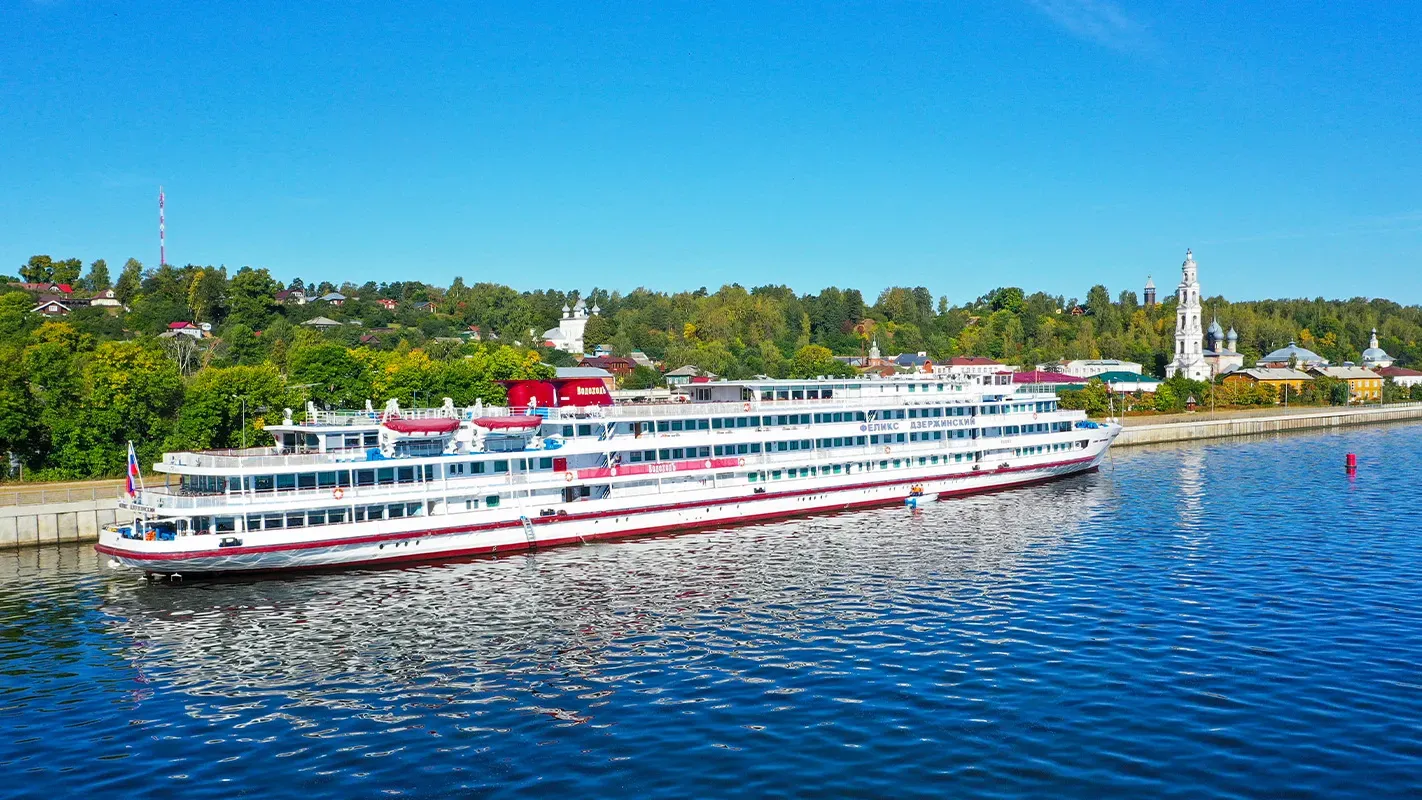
{"type": "Point", "coordinates": [528, 531]}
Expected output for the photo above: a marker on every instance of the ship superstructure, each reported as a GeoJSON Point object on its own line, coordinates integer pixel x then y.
{"type": "Point", "coordinates": [562, 463]}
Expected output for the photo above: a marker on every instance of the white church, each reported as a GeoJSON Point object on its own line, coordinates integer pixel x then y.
{"type": "Point", "coordinates": [568, 336]}
{"type": "Point", "coordinates": [1192, 359]}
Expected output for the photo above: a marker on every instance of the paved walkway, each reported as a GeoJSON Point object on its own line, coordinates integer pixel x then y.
{"type": "Point", "coordinates": [1205, 415]}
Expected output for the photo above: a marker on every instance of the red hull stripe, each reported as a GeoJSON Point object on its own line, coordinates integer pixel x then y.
{"type": "Point", "coordinates": [387, 537]}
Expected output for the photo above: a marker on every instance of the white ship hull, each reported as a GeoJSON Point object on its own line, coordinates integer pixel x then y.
{"type": "Point", "coordinates": [483, 532]}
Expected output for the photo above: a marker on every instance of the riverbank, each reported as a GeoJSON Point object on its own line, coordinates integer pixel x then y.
{"type": "Point", "coordinates": [1204, 425]}
{"type": "Point", "coordinates": [46, 514]}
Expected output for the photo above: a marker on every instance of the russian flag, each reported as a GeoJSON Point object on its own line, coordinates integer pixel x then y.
{"type": "Point", "coordinates": [132, 471]}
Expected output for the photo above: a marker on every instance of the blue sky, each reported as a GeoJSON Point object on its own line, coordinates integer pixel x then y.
{"type": "Point", "coordinates": [961, 144]}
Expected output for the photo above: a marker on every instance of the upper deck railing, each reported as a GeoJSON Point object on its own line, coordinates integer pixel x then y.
{"type": "Point", "coordinates": [254, 458]}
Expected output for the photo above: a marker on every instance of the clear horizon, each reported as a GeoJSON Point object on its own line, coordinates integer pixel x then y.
{"type": "Point", "coordinates": [1046, 144]}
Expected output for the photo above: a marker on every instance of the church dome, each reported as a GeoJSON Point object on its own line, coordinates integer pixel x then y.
{"type": "Point", "coordinates": [1300, 355]}
{"type": "Point", "coordinates": [1215, 329]}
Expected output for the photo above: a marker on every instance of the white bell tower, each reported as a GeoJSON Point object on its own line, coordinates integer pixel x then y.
{"type": "Point", "coordinates": [1189, 335]}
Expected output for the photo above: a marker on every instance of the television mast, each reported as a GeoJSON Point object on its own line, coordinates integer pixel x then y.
{"type": "Point", "coordinates": [162, 244]}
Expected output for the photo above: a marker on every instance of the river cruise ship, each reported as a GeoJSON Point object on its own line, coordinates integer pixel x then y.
{"type": "Point", "coordinates": [563, 463]}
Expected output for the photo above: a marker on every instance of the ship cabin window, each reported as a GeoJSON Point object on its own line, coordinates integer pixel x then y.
{"type": "Point", "coordinates": [501, 466]}
{"type": "Point", "coordinates": [396, 510]}
{"type": "Point", "coordinates": [285, 482]}
{"type": "Point", "coordinates": [775, 475]}
{"type": "Point", "coordinates": [306, 480]}
{"type": "Point", "coordinates": [492, 501]}
{"type": "Point", "coordinates": [225, 524]}
{"type": "Point", "coordinates": [365, 477]}
{"type": "Point", "coordinates": [385, 476]}
{"type": "Point", "coordinates": [295, 519]}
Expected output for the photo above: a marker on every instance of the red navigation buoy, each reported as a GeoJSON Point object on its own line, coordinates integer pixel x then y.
{"type": "Point", "coordinates": [1352, 461]}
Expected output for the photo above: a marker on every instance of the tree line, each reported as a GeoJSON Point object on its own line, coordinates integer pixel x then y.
{"type": "Point", "coordinates": [73, 390]}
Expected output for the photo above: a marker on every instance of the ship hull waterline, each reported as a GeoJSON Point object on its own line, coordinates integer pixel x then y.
{"type": "Point", "coordinates": [436, 543]}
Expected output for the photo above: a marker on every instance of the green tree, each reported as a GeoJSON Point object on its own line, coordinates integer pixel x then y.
{"type": "Point", "coordinates": [206, 294]}
{"type": "Point", "coordinates": [642, 377]}
{"type": "Point", "coordinates": [39, 269]}
{"type": "Point", "coordinates": [67, 271]}
{"type": "Point", "coordinates": [130, 281]}
{"type": "Point", "coordinates": [217, 401]}
{"type": "Point", "coordinates": [130, 392]}
{"type": "Point", "coordinates": [814, 360]}
{"type": "Point", "coordinates": [98, 278]}
{"type": "Point", "coordinates": [332, 376]}
{"type": "Point", "coordinates": [251, 297]}
{"type": "Point", "coordinates": [600, 330]}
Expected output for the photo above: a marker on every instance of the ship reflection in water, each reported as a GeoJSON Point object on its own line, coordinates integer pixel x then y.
{"type": "Point", "coordinates": [578, 625]}
{"type": "Point", "coordinates": [1211, 620]}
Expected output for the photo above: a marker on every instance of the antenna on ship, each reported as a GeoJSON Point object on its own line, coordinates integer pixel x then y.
{"type": "Point", "coordinates": [162, 244]}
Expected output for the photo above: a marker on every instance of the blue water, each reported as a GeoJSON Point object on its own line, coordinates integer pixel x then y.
{"type": "Point", "coordinates": [1235, 619]}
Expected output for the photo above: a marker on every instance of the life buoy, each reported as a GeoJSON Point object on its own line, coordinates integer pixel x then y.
{"type": "Point", "coordinates": [745, 406]}
{"type": "Point", "coordinates": [740, 462]}
{"type": "Point", "coordinates": [568, 476]}
{"type": "Point", "coordinates": [338, 493]}
{"type": "Point", "coordinates": [1034, 415]}
{"type": "Point", "coordinates": [887, 451]}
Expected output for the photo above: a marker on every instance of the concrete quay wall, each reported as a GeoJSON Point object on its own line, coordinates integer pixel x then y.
{"type": "Point", "coordinates": [1208, 428]}
{"type": "Point", "coordinates": [71, 513]}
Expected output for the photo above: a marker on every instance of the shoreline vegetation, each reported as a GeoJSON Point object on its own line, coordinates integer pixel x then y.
{"type": "Point", "coordinates": [200, 357]}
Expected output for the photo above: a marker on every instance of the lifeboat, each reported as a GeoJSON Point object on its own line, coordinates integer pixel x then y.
{"type": "Point", "coordinates": [513, 424]}
{"type": "Point", "coordinates": [438, 426]}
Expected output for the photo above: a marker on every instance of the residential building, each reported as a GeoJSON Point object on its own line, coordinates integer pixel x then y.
{"type": "Point", "coordinates": [973, 365]}
{"type": "Point", "coordinates": [684, 375]}
{"type": "Point", "coordinates": [106, 298]}
{"type": "Point", "coordinates": [1091, 367]}
{"type": "Point", "coordinates": [1129, 382]}
{"type": "Point", "coordinates": [429, 307]}
{"type": "Point", "coordinates": [321, 323]}
{"type": "Point", "coordinates": [640, 359]}
{"type": "Point", "coordinates": [189, 329]}
{"type": "Point", "coordinates": [292, 296]}
{"type": "Point", "coordinates": [388, 304]}
{"type": "Point", "coordinates": [1364, 385]}
{"type": "Point", "coordinates": [918, 362]}
{"type": "Point", "coordinates": [617, 365]}
{"type": "Point", "coordinates": [51, 306]}
{"type": "Point", "coordinates": [1057, 381]}
{"type": "Point", "coordinates": [334, 298]}
{"type": "Point", "coordinates": [64, 289]}
{"type": "Point", "coordinates": [1284, 380]}
{"type": "Point", "coordinates": [1402, 376]}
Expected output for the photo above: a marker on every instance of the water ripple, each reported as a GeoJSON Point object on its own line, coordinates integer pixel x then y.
{"type": "Point", "coordinates": [1237, 619]}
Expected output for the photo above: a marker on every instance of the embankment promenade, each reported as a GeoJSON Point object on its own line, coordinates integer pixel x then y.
{"type": "Point", "coordinates": [1214, 425]}
{"type": "Point", "coordinates": [45, 514]}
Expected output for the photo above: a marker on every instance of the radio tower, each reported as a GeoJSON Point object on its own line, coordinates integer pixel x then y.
{"type": "Point", "coordinates": [162, 245]}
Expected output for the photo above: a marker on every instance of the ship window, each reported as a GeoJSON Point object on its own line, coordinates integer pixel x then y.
{"type": "Point", "coordinates": [783, 394]}
{"type": "Point", "coordinates": [372, 439]}
{"type": "Point", "coordinates": [634, 457]}
{"type": "Point", "coordinates": [316, 518]}
{"type": "Point", "coordinates": [295, 519]}
{"type": "Point", "coordinates": [313, 441]}
{"type": "Point", "coordinates": [385, 475]}
{"type": "Point", "coordinates": [263, 483]}
{"type": "Point", "coordinates": [225, 524]}
{"type": "Point", "coordinates": [413, 509]}
{"type": "Point", "coordinates": [406, 474]}
{"type": "Point", "coordinates": [306, 480]}
{"type": "Point", "coordinates": [365, 477]}
{"type": "Point", "coordinates": [326, 480]}
{"type": "Point", "coordinates": [286, 482]}
{"type": "Point", "coordinates": [883, 465]}
{"type": "Point", "coordinates": [837, 469]}
{"type": "Point", "coordinates": [429, 472]}
{"type": "Point", "coordinates": [254, 522]}
{"type": "Point", "coordinates": [676, 424]}
{"type": "Point", "coordinates": [545, 463]}
{"type": "Point", "coordinates": [501, 466]}
{"type": "Point", "coordinates": [351, 441]}
{"type": "Point", "coordinates": [396, 511]}
{"type": "Point", "coordinates": [476, 467]}
{"type": "Point", "coordinates": [271, 521]}
{"type": "Point", "coordinates": [751, 476]}
{"type": "Point", "coordinates": [336, 515]}
{"type": "Point", "coordinates": [492, 501]}
{"type": "Point", "coordinates": [663, 426]}
{"type": "Point", "coordinates": [717, 423]}
{"type": "Point", "coordinates": [775, 475]}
